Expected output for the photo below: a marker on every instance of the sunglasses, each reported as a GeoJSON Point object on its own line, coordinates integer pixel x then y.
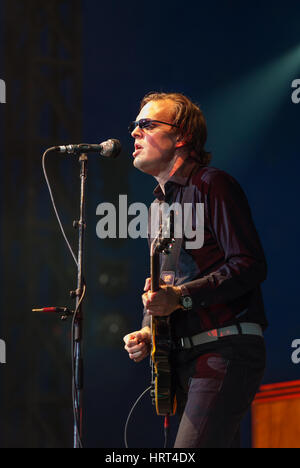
{"type": "Point", "coordinates": [146, 123]}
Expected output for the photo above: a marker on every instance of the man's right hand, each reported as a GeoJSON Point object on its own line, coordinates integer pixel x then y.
{"type": "Point", "coordinates": [138, 344]}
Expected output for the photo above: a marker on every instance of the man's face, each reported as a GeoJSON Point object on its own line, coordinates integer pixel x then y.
{"type": "Point", "coordinates": [155, 146]}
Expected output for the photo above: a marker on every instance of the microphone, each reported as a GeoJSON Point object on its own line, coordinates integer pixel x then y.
{"type": "Point", "coordinates": [109, 149]}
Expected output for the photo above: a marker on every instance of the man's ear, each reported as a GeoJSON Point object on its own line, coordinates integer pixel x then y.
{"type": "Point", "coordinates": [181, 141]}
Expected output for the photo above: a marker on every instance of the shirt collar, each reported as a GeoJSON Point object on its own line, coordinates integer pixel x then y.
{"type": "Point", "coordinates": [180, 177]}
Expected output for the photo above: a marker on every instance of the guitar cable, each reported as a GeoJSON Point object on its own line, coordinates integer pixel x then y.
{"type": "Point", "coordinates": [166, 429]}
{"type": "Point", "coordinates": [130, 413]}
{"type": "Point", "coordinates": [166, 420]}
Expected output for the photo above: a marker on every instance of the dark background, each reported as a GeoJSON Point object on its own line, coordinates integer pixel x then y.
{"type": "Point", "coordinates": [237, 60]}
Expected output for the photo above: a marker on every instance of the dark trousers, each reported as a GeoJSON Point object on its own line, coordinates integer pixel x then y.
{"type": "Point", "coordinates": [215, 387]}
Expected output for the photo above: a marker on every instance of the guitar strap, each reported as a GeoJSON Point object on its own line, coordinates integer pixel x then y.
{"type": "Point", "coordinates": [169, 262]}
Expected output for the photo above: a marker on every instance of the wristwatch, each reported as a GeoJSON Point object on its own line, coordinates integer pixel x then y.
{"type": "Point", "coordinates": [186, 302]}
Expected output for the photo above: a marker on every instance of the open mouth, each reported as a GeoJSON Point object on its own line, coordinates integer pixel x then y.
{"type": "Point", "coordinates": [138, 148]}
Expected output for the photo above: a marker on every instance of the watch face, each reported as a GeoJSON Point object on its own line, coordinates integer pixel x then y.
{"type": "Point", "coordinates": [187, 302]}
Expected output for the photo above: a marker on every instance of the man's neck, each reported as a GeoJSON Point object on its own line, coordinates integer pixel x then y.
{"type": "Point", "coordinates": [174, 165]}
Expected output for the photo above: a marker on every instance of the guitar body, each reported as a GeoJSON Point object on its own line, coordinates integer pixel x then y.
{"type": "Point", "coordinates": [163, 391]}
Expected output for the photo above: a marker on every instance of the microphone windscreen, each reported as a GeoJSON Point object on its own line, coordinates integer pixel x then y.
{"type": "Point", "coordinates": [111, 148]}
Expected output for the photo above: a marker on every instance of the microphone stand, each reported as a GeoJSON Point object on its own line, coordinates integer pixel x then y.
{"type": "Point", "coordinates": [111, 148]}
{"type": "Point", "coordinates": [78, 316]}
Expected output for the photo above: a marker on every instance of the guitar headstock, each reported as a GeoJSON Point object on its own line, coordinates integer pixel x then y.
{"type": "Point", "coordinates": [165, 238]}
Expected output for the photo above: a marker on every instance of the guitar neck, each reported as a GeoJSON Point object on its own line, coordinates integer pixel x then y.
{"type": "Point", "coordinates": [155, 272]}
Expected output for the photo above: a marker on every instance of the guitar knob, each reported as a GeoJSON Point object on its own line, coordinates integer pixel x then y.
{"type": "Point", "coordinates": [152, 395]}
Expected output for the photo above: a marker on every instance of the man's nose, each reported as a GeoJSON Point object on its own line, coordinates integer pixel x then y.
{"type": "Point", "coordinates": [137, 132]}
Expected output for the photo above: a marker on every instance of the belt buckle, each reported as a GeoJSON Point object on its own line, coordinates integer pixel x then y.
{"type": "Point", "coordinates": [186, 344]}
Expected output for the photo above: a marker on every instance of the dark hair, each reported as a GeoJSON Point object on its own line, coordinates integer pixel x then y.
{"type": "Point", "coordinates": [190, 119]}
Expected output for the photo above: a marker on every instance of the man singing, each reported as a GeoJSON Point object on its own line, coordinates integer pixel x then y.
{"type": "Point", "coordinates": [215, 305]}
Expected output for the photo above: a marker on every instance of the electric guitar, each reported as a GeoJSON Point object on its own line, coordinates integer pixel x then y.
{"type": "Point", "coordinates": [162, 389]}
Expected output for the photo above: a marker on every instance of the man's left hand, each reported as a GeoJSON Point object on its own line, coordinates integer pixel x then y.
{"type": "Point", "coordinates": [162, 302]}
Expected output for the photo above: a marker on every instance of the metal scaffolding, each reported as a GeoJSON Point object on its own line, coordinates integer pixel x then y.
{"type": "Point", "coordinates": [42, 48]}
